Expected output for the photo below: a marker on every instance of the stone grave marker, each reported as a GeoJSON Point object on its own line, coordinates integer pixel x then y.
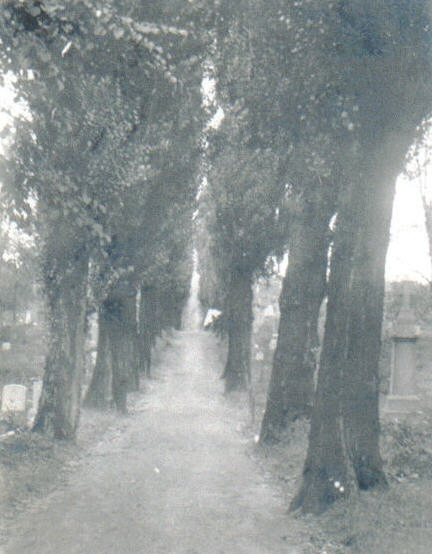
{"type": "Point", "coordinates": [14, 398]}
{"type": "Point", "coordinates": [405, 333]}
{"type": "Point", "coordinates": [36, 393]}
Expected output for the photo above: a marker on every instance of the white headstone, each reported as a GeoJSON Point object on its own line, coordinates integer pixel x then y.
{"type": "Point", "coordinates": [28, 317]}
{"type": "Point", "coordinates": [5, 346]}
{"type": "Point", "coordinates": [37, 390]}
{"type": "Point", "coordinates": [14, 398]}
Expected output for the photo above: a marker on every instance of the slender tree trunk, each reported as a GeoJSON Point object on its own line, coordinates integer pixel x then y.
{"type": "Point", "coordinates": [99, 391]}
{"type": "Point", "coordinates": [120, 308]}
{"type": "Point", "coordinates": [240, 296]}
{"type": "Point", "coordinates": [147, 328]}
{"type": "Point", "coordinates": [178, 312]}
{"type": "Point", "coordinates": [291, 389]}
{"type": "Point", "coordinates": [427, 208]}
{"type": "Point", "coordinates": [130, 328]}
{"type": "Point", "coordinates": [65, 275]}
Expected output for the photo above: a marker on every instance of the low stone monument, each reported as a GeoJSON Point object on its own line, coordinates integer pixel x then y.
{"type": "Point", "coordinates": [14, 399]}
{"type": "Point", "coordinates": [405, 334]}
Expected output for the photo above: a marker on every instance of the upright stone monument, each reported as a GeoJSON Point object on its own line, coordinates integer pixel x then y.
{"type": "Point", "coordinates": [405, 333]}
{"type": "Point", "coordinates": [36, 393]}
{"type": "Point", "coordinates": [14, 399]}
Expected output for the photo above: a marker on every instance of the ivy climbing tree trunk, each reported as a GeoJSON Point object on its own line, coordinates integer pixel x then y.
{"type": "Point", "coordinates": [65, 276]}
{"type": "Point", "coordinates": [291, 389]}
{"type": "Point", "coordinates": [99, 392]}
{"type": "Point", "coordinates": [239, 327]}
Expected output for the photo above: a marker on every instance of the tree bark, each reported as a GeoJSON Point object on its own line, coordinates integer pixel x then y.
{"type": "Point", "coordinates": [361, 379]}
{"type": "Point", "coordinates": [291, 389]}
{"type": "Point", "coordinates": [147, 328]}
{"type": "Point", "coordinates": [99, 392]}
{"type": "Point", "coordinates": [344, 437]}
{"type": "Point", "coordinates": [120, 307]}
{"type": "Point", "coordinates": [65, 276]}
{"type": "Point", "coordinates": [325, 473]}
{"type": "Point", "coordinates": [240, 296]}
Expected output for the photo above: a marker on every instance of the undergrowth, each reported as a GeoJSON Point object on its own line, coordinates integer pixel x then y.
{"type": "Point", "coordinates": [396, 521]}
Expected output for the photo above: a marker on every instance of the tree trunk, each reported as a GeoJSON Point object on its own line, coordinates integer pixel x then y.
{"type": "Point", "coordinates": [130, 327]}
{"type": "Point", "coordinates": [361, 381]}
{"type": "Point", "coordinates": [325, 473]}
{"type": "Point", "coordinates": [291, 389]}
{"type": "Point", "coordinates": [120, 307]}
{"type": "Point", "coordinates": [65, 276]}
{"type": "Point", "coordinates": [147, 328]}
{"type": "Point", "coordinates": [240, 296]}
{"type": "Point", "coordinates": [344, 438]}
{"type": "Point", "coordinates": [99, 391]}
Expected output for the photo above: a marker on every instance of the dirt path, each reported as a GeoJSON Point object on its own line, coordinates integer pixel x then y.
{"type": "Point", "coordinates": [173, 477]}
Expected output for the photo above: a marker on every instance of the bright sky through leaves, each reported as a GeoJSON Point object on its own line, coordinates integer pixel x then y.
{"type": "Point", "coordinates": [408, 254]}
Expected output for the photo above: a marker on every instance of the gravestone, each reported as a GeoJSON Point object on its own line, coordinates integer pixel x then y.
{"type": "Point", "coordinates": [36, 393]}
{"type": "Point", "coordinates": [405, 334]}
{"type": "Point", "coordinates": [14, 399]}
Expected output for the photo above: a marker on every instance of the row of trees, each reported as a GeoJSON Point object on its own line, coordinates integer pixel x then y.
{"type": "Point", "coordinates": [108, 158]}
{"type": "Point", "coordinates": [321, 102]}
{"type": "Point", "coordinates": [329, 91]}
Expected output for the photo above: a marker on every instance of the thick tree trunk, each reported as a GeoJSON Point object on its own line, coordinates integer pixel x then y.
{"type": "Point", "coordinates": [361, 381]}
{"type": "Point", "coordinates": [344, 438]}
{"type": "Point", "coordinates": [120, 308]}
{"type": "Point", "coordinates": [291, 389]}
{"type": "Point", "coordinates": [325, 473]}
{"type": "Point", "coordinates": [65, 275]}
{"type": "Point", "coordinates": [99, 392]}
{"type": "Point", "coordinates": [240, 296]}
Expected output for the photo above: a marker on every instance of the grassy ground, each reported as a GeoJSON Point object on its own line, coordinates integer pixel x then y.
{"type": "Point", "coordinates": [397, 521]}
